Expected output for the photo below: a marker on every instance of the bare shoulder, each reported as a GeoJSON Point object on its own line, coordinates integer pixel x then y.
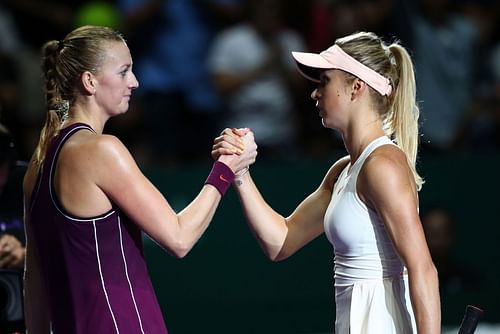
{"type": "Point", "coordinates": [385, 172]}
{"type": "Point", "coordinates": [96, 157]}
{"type": "Point", "coordinates": [386, 159]}
{"type": "Point", "coordinates": [90, 148]}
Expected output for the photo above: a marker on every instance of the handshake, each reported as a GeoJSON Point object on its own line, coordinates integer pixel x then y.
{"type": "Point", "coordinates": [236, 148]}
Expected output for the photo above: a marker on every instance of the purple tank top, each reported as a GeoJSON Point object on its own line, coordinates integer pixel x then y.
{"type": "Point", "coordinates": [94, 268]}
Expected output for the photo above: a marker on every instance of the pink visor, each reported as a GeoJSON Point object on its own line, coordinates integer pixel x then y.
{"type": "Point", "coordinates": [335, 58]}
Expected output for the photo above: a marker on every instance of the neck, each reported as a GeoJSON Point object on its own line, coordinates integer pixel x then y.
{"type": "Point", "coordinates": [78, 115]}
{"type": "Point", "coordinates": [359, 136]}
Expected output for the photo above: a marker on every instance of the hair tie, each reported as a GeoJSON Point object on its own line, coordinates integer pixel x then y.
{"type": "Point", "coordinates": [61, 108]}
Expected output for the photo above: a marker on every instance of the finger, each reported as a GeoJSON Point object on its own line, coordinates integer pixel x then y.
{"type": "Point", "coordinates": [227, 148]}
{"type": "Point", "coordinates": [10, 261]}
{"type": "Point", "coordinates": [4, 241]}
{"type": "Point", "coordinates": [219, 139]}
{"type": "Point", "coordinates": [17, 258]}
{"type": "Point", "coordinates": [241, 131]}
{"type": "Point", "coordinates": [229, 137]}
{"type": "Point", "coordinates": [226, 131]}
{"type": "Point", "coordinates": [233, 140]}
{"type": "Point", "coordinates": [222, 151]}
{"type": "Point", "coordinates": [5, 260]}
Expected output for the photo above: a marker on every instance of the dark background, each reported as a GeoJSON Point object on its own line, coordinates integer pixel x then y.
{"type": "Point", "coordinates": [227, 285]}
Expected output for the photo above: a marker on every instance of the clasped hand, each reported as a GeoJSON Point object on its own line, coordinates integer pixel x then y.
{"type": "Point", "coordinates": [236, 148]}
{"type": "Point", "coordinates": [11, 252]}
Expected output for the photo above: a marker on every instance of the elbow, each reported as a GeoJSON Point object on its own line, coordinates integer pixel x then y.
{"type": "Point", "coordinates": [430, 271]}
{"type": "Point", "coordinates": [434, 273]}
{"type": "Point", "coordinates": [179, 254]}
{"type": "Point", "coordinates": [277, 259]}
{"type": "Point", "coordinates": [181, 249]}
{"type": "Point", "coordinates": [277, 256]}
{"type": "Point", "coordinates": [426, 271]}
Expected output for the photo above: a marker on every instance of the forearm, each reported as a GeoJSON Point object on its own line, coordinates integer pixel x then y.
{"type": "Point", "coordinates": [269, 227]}
{"type": "Point", "coordinates": [194, 219]}
{"type": "Point", "coordinates": [424, 294]}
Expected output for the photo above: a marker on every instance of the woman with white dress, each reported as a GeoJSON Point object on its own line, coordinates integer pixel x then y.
{"type": "Point", "coordinates": [367, 204]}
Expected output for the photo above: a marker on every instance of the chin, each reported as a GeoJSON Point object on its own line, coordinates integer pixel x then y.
{"type": "Point", "coordinates": [326, 124]}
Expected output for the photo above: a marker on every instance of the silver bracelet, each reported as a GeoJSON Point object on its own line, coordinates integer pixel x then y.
{"type": "Point", "coordinates": [242, 171]}
{"type": "Point", "coordinates": [237, 177]}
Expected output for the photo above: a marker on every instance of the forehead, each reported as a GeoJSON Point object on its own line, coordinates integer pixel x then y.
{"type": "Point", "coordinates": [329, 73]}
{"type": "Point", "coordinates": [116, 53]}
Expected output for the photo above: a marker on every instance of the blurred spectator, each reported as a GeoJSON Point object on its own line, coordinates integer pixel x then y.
{"type": "Point", "coordinates": [169, 42]}
{"type": "Point", "coordinates": [331, 19]}
{"type": "Point", "coordinates": [480, 128]}
{"type": "Point", "coordinates": [440, 231]}
{"type": "Point", "coordinates": [52, 17]}
{"type": "Point", "coordinates": [444, 41]}
{"type": "Point", "coordinates": [12, 241]}
{"type": "Point", "coordinates": [21, 98]}
{"type": "Point", "coordinates": [253, 70]}
{"type": "Point", "coordinates": [9, 44]}
{"type": "Point", "coordinates": [459, 283]}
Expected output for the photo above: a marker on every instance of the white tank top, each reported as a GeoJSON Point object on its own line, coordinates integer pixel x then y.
{"type": "Point", "coordinates": [363, 249]}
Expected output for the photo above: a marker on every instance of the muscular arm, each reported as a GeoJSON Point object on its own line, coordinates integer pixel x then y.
{"type": "Point", "coordinates": [280, 236]}
{"type": "Point", "coordinates": [114, 176]}
{"type": "Point", "coordinates": [386, 184]}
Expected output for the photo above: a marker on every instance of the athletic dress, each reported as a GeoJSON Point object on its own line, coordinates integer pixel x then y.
{"type": "Point", "coordinates": [371, 285]}
{"type": "Point", "coordinates": [95, 273]}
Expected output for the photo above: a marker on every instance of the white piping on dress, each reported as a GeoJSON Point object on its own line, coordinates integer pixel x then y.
{"type": "Point", "coordinates": [102, 278]}
{"type": "Point", "coordinates": [128, 279]}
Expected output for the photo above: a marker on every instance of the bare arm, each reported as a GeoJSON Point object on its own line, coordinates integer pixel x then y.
{"type": "Point", "coordinates": [125, 184]}
{"type": "Point", "coordinates": [280, 236]}
{"type": "Point", "coordinates": [387, 185]}
{"type": "Point", "coordinates": [111, 174]}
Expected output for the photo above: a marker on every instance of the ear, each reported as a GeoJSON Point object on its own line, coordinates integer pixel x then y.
{"type": "Point", "coordinates": [89, 82]}
{"type": "Point", "coordinates": [358, 88]}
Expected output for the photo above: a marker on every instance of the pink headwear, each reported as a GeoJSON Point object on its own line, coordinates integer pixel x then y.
{"type": "Point", "coordinates": [335, 58]}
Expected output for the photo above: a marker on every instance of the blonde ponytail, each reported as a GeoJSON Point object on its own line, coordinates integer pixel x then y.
{"type": "Point", "coordinates": [402, 119]}
{"type": "Point", "coordinates": [57, 110]}
{"type": "Point", "coordinates": [399, 111]}
{"type": "Point", "coordinates": [50, 129]}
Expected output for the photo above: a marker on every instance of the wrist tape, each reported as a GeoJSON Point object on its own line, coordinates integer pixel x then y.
{"type": "Point", "coordinates": [221, 177]}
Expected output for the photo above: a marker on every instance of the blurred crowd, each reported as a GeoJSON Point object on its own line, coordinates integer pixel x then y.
{"type": "Point", "coordinates": [204, 65]}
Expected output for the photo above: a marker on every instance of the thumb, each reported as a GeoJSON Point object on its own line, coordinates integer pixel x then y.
{"type": "Point", "coordinates": [243, 131]}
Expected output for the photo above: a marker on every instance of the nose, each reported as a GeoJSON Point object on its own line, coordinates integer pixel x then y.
{"type": "Point", "coordinates": [134, 82]}
{"type": "Point", "coordinates": [315, 94]}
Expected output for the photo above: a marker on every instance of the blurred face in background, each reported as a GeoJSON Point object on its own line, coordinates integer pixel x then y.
{"type": "Point", "coordinates": [266, 15]}
{"type": "Point", "coordinates": [439, 232]}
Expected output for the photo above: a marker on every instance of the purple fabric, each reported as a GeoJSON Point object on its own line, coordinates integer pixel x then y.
{"type": "Point", "coordinates": [94, 268]}
{"type": "Point", "coordinates": [220, 177]}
